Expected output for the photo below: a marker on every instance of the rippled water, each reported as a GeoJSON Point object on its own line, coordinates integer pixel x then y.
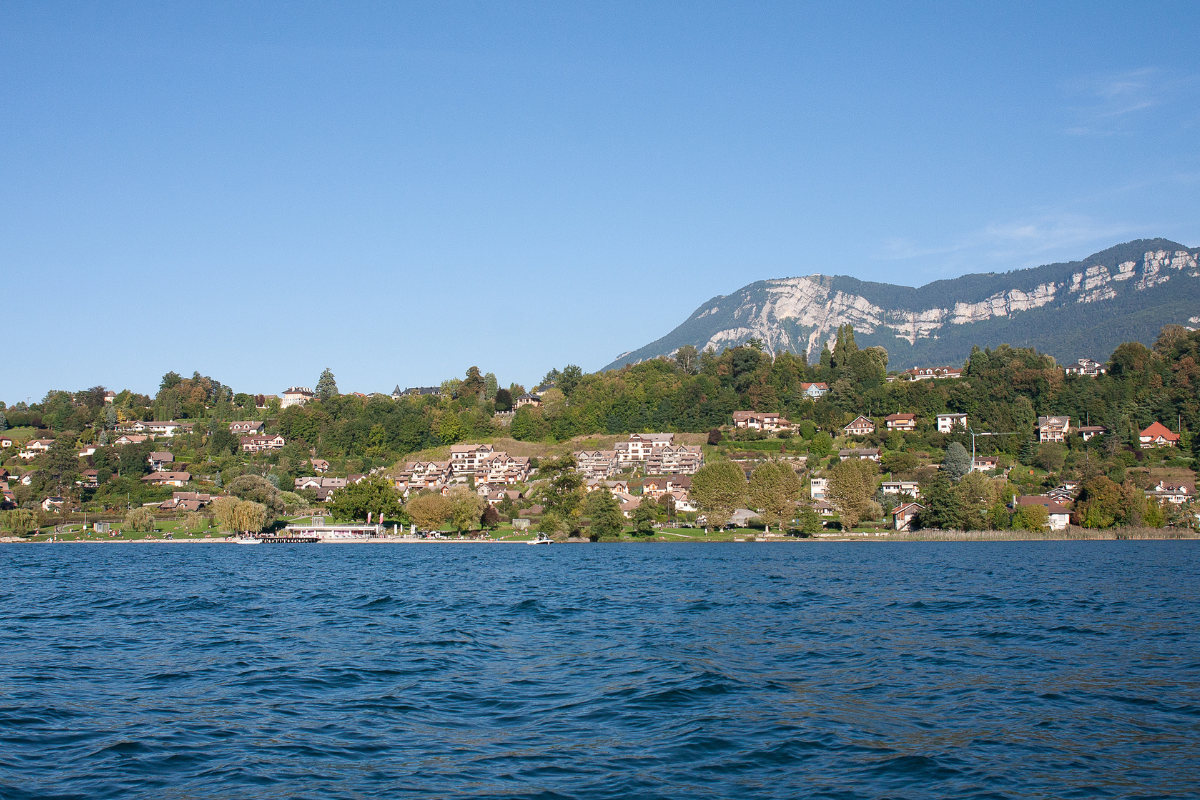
{"type": "Point", "coordinates": [1020, 670]}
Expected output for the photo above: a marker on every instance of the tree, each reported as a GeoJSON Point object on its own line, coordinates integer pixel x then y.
{"type": "Point", "coordinates": [1028, 451]}
{"type": "Point", "coordinates": [140, 519]}
{"type": "Point", "coordinates": [473, 385]}
{"type": "Point", "coordinates": [504, 400]}
{"type": "Point", "coordinates": [643, 517]}
{"type": "Point", "coordinates": [957, 462]}
{"type": "Point", "coordinates": [490, 518]}
{"type": "Point", "coordinates": [562, 494]}
{"type": "Point", "coordinates": [687, 359]}
{"type": "Point", "coordinates": [490, 386]}
{"type": "Point", "coordinates": [221, 442]}
{"type": "Point", "coordinates": [1051, 456]}
{"type": "Point", "coordinates": [257, 489]}
{"type": "Point", "coordinates": [942, 505]}
{"type": "Point", "coordinates": [62, 462]}
{"type": "Point", "coordinates": [21, 521]}
{"type": "Point", "coordinates": [170, 381]}
{"type": "Point", "coordinates": [326, 386]}
{"type": "Point", "coordinates": [810, 521]}
{"type": "Point", "coordinates": [569, 378]}
{"type": "Point", "coordinates": [821, 445]}
{"type": "Point", "coordinates": [718, 490]}
{"type": "Point", "coordinates": [605, 512]}
{"type": "Point", "coordinates": [429, 510]}
{"type": "Point", "coordinates": [374, 496]}
{"type": "Point", "coordinates": [714, 436]}
{"type": "Point", "coordinates": [1032, 517]}
{"type": "Point", "coordinates": [3, 422]}
{"type": "Point", "coordinates": [774, 490]}
{"type": "Point", "coordinates": [465, 508]}
{"type": "Point", "coordinates": [851, 487]}
{"type": "Point", "coordinates": [1098, 504]}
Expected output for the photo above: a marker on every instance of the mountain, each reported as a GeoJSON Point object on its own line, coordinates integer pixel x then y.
{"type": "Point", "coordinates": [1074, 310]}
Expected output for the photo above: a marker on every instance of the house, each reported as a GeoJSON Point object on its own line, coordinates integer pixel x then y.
{"type": "Point", "coordinates": [760, 420]}
{"type": "Point", "coordinates": [167, 478]}
{"type": "Point", "coordinates": [110, 396]}
{"type": "Point", "coordinates": [52, 504]}
{"type": "Point", "coordinates": [1086, 368]}
{"type": "Point", "coordinates": [985, 463]}
{"type": "Point", "coordinates": [422, 391]}
{"type": "Point", "coordinates": [593, 484]}
{"type": "Point", "coordinates": [861, 453]}
{"type": "Point", "coordinates": [88, 479]}
{"type": "Point", "coordinates": [657, 487]}
{"type": "Point", "coordinates": [35, 448]}
{"type": "Point", "coordinates": [948, 422]}
{"type": "Point", "coordinates": [320, 465]}
{"type": "Point", "coordinates": [528, 399]}
{"type": "Point", "coordinates": [817, 488]}
{"type": "Point", "coordinates": [467, 458]}
{"type": "Point", "coordinates": [1053, 429]}
{"type": "Point", "coordinates": [679, 460]}
{"type": "Point", "coordinates": [1158, 435]}
{"type": "Point", "coordinates": [257, 444]}
{"type": "Point", "coordinates": [814, 390]}
{"type": "Point", "coordinates": [596, 464]}
{"type": "Point", "coordinates": [158, 460]}
{"type": "Point", "coordinates": [640, 446]}
{"type": "Point", "coordinates": [167, 428]}
{"type": "Point", "coordinates": [1175, 493]}
{"type": "Point", "coordinates": [931, 373]}
{"type": "Point", "coordinates": [1088, 431]}
{"type": "Point", "coordinates": [130, 438]}
{"type": "Point", "coordinates": [910, 488]}
{"type": "Point", "coordinates": [1061, 494]}
{"type": "Point", "coordinates": [88, 449]}
{"type": "Point", "coordinates": [186, 501]}
{"type": "Point", "coordinates": [296, 396]}
{"type": "Point", "coordinates": [1060, 517]}
{"type": "Point", "coordinates": [861, 426]}
{"type": "Point", "coordinates": [6, 442]}
{"type": "Point", "coordinates": [901, 422]}
{"type": "Point", "coordinates": [246, 427]}
{"type": "Point", "coordinates": [902, 515]}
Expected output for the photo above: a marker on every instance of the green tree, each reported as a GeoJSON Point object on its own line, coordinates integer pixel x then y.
{"type": "Point", "coordinates": [1099, 504]}
{"type": "Point", "coordinates": [3, 422]}
{"type": "Point", "coordinates": [562, 492]}
{"type": "Point", "coordinates": [957, 462]}
{"type": "Point", "coordinates": [687, 359]}
{"type": "Point", "coordinates": [374, 495]}
{"type": "Point", "coordinates": [604, 511]}
{"type": "Point", "coordinates": [569, 378]}
{"type": "Point", "coordinates": [1031, 517]}
{"type": "Point", "coordinates": [851, 488]}
{"type": "Point", "coordinates": [719, 489]}
{"type": "Point", "coordinates": [473, 385]}
{"type": "Point", "coordinates": [490, 386]}
{"type": "Point", "coordinates": [140, 519]}
{"type": "Point", "coordinates": [62, 462]}
{"type": "Point", "coordinates": [326, 386]}
{"type": "Point", "coordinates": [466, 507]}
{"type": "Point", "coordinates": [810, 521]}
{"type": "Point", "coordinates": [222, 443]}
{"type": "Point", "coordinates": [643, 517]}
{"type": "Point", "coordinates": [21, 521]}
{"type": "Point", "coordinates": [256, 489]}
{"type": "Point", "coordinates": [821, 445]}
{"type": "Point", "coordinates": [774, 490]}
{"type": "Point", "coordinates": [504, 400]}
{"type": "Point", "coordinates": [942, 505]}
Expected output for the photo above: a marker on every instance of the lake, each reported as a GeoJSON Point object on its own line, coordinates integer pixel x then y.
{"type": "Point", "coordinates": [840, 670]}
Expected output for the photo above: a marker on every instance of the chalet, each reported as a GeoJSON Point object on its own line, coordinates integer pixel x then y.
{"type": "Point", "coordinates": [186, 501]}
{"type": "Point", "coordinates": [88, 479]}
{"type": "Point", "coordinates": [320, 465]}
{"type": "Point", "coordinates": [861, 453]}
{"type": "Point", "coordinates": [902, 515]}
{"type": "Point", "coordinates": [1088, 431]}
{"type": "Point", "coordinates": [246, 427]}
{"type": "Point", "coordinates": [1060, 517]}
{"type": "Point", "coordinates": [814, 390]}
{"type": "Point", "coordinates": [931, 373]}
{"type": "Point", "coordinates": [1053, 429]}
{"type": "Point", "coordinates": [498, 496]}
{"type": "Point", "coordinates": [1175, 493]}
{"type": "Point", "coordinates": [159, 460]}
{"type": "Point", "coordinates": [910, 488]}
{"type": "Point", "coordinates": [167, 478]}
{"type": "Point", "coordinates": [35, 448]}
{"type": "Point", "coordinates": [760, 420]}
{"type": "Point", "coordinates": [528, 399]}
{"type": "Point", "coordinates": [1085, 367]}
{"type": "Point", "coordinates": [985, 463]}
{"type": "Point", "coordinates": [52, 504]}
{"type": "Point", "coordinates": [257, 444]}
{"type": "Point", "coordinates": [296, 396]}
{"type": "Point", "coordinates": [593, 484]}
{"type": "Point", "coordinates": [6, 442]}
{"type": "Point", "coordinates": [901, 422]}
{"type": "Point", "coordinates": [1158, 435]}
{"type": "Point", "coordinates": [657, 487]}
{"type": "Point", "coordinates": [948, 422]}
{"type": "Point", "coordinates": [817, 488]}
{"type": "Point", "coordinates": [1061, 494]}
{"type": "Point", "coordinates": [130, 438]}
{"type": "Point", "coordinates": [320, 483]}
{"type": "Point", "coordinates": [861, 426]}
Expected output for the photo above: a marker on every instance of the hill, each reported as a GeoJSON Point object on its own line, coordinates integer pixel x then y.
{"type": "Point", "coordinates": [1071, 310]}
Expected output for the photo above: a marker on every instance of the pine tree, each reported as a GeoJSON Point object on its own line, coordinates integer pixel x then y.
{"type": "Point", "coordinates": [1028, 451]}
{"type": "Point", "coordinates": [326, 386]}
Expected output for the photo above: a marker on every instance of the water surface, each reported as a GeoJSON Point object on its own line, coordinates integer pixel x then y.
{"type": "Point", "coordinates": [972, 670]}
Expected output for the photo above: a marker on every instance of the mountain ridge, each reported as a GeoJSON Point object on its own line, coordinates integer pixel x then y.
{"type": "Point", "coordinates": [1068, 309]}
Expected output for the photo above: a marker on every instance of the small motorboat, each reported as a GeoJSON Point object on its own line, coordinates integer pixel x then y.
{"type": "Point", "coordinates": [248, 540]}
{"type": "Point", "coordinates": [541, 539]}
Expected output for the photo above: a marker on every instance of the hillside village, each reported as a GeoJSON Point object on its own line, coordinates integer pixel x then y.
{"type": "Point", "coordinates": [742, 438]}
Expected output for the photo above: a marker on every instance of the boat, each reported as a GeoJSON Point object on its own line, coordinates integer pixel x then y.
{"type": "Point", "coordinates": [248, 540]}
{"type": "Point", "coordinates": [541, 539]}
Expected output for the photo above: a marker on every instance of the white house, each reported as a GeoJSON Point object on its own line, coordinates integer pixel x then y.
{"type": "Point", "coordinates": [901, 422]}
{"type": "Point", "coordinates": [817, 487]}
{"type": "Point", "coordinates": [814, 390]}
{"type": "Point", "coordinates": [946, 423]}
{"type": "Point", "coordinates": [296, 396]}
{"type": "Point", "coordinates": [1053, 429]}
{"type": "Point", "coordinates": [861, 426]}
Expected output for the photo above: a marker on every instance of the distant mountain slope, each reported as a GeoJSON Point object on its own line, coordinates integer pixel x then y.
{"type": "Point", "coordinates": [1072, 310]}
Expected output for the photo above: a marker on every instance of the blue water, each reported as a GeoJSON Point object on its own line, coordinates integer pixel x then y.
{"type": "Point", "coordinates": [1013, 670]}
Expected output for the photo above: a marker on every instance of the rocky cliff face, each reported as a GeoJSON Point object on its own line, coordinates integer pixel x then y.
{"type": "Point", "coordinates": [1047, 303]}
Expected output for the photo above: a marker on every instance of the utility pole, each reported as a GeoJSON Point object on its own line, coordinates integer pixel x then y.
{"type": "Point", "coordinates": [984, 433]}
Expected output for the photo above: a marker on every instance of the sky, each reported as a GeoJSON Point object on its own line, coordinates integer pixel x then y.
{"type": "Point", "coordinates": [399, 191]}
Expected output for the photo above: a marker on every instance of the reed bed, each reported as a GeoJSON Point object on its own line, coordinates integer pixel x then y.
{"type": "Point", "coordinates": [1071, 533]}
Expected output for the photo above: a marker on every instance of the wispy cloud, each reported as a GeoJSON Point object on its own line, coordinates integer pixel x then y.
{"type": "Point", "coordinates": [1111, 104]}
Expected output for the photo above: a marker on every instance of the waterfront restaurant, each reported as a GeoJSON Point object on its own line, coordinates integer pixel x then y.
{"type": "Point", "coordinates": [335, 530]}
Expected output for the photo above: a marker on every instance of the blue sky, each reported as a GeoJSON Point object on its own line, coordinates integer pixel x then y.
{"type": "Point", "coordinates": [399, 191]}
